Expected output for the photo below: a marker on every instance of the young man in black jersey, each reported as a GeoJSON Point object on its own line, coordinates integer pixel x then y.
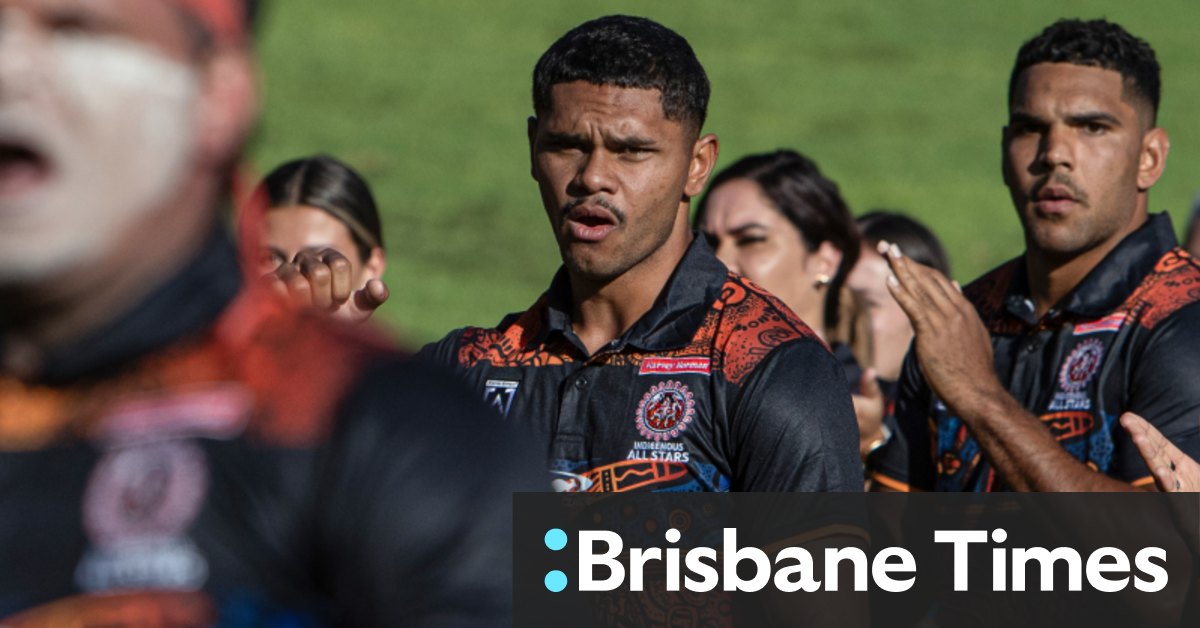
{"type": "Point", "coordinates": [1022, 378]}
{"type": "Point", "coordinates": [647, 365]}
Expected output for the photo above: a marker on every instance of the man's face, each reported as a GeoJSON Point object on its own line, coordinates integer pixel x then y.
{"type": "Point", "coordinates": [97, 102]}
{"type": "Point", "coordinates": [614, 174]}
{"type": "Point", "coordinates": [1073, 148]}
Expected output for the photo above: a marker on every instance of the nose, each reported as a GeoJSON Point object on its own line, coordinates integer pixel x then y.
{"type": "Point", "coordinates": [595, 174]}
{"type": "Point", "coordinates": [1056, 150]}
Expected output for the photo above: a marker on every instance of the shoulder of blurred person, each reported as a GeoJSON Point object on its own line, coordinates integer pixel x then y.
{"type": "Point", "coordinates": [375, 456]}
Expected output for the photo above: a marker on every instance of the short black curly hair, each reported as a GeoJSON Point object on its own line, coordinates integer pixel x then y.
{"type": "Point", "coordinates": [1097, 43]}
{"type": "Point", "coordinates": [632, 52]}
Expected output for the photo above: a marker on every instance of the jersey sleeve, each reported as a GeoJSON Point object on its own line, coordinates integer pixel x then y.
{"type": "Point", "coordinates": [415, 505]}
{"type": "Point", "coordinates": [1164, 390]}
{"type": "Point", "coordinates": [793, 428]}
{"type": "Point", "coordinates": [444, 352]}
{"type": "Point", "coordinates": [906, 461]}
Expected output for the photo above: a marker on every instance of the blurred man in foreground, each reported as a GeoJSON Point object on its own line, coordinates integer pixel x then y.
{"type": "Point", "coordinates": [1024, 375]}
{"type": "Point", "coordinates": [177, 450]}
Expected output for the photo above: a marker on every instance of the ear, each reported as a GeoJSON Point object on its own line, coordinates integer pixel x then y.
{"type": "Point", "coordinates": [704, 158]}
{"type": "Point", "coordinates": [375, 265]}
{"type": "Point", "coordinates": [824, 261]}
{"type": "Point", "coordinates": [531, 126]}
{"type": "Point", "coordinates": [227, 106]}
{"type": "Point", "coordinates": [1153, 159]}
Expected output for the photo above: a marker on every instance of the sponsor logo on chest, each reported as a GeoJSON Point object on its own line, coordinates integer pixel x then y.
{"type": "Point", "coordinates": [673, 366]}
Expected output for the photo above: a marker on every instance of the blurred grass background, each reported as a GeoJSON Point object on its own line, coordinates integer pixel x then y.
{"type": "Point", "coordinates": [900, 102]}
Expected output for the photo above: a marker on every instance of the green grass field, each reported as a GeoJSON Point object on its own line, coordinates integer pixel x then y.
{"type": "Point", "coordinates": [901, 102]}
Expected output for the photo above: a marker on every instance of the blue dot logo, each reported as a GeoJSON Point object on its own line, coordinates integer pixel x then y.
{"type": "Point", "coordinates": [556, 581]}
{"type": "Point", "coordinates": [556, 539]}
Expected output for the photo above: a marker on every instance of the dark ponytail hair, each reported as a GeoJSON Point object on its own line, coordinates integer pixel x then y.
{"type": "Point", "coordinates": [808, 199]}
{"type": "Point", "coordinates": [330, 185]}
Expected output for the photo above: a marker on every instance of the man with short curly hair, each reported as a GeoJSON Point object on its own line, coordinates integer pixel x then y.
{"type": "Point", "coordinates": [647, 365]}
{"type": "Point", "coordinates": [1024, 375]}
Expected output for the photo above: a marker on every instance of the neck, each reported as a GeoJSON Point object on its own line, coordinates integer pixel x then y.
{"type": "Point", "coordinates": [1052, 278]}
{"type": "Point", "coordinates": [51, 313]}
{"type": "Point", "coordinates": [604, 310]}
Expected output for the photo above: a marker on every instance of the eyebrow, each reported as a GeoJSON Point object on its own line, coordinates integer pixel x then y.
{"type": "Point", "coordinates": [564, 139]}
{"type": "Point", "coordinates": [1093, 116]}
{"type": "Point", "coordinates": [1075, 118]}
{"type": "Point", "coordinates": [633, 141]}
{"type": "Point", "coordinates": [747, 226]}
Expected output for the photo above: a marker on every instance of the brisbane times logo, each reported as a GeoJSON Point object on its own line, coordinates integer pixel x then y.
{"type": "Point", "coordinates": [606, 564]}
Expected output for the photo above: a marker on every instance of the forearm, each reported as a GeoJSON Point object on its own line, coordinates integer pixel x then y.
{"type": "Point", "coordinates": [1023, 451]}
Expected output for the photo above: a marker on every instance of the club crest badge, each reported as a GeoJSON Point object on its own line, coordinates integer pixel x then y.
{"type": "Point", "coordinates": [1081, 365]}
{"type": "Point", "coordinates": [665, 411]}
{"type": "Point", "coordinates": [499, 394]}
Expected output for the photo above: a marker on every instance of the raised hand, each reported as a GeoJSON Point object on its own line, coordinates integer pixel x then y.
{"type": "Point", "coordinates": [1174, 471]}
{"type": "Point", "coordinates": [953, 347]}
{"type": "Point", "coordinates": [323, 280]}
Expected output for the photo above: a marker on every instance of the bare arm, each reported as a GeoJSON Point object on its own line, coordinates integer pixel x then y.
{"type": "Point", "coordinates": [955, 353]}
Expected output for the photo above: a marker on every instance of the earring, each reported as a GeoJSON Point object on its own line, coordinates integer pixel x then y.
{"type": "Point", "coordinates": [823, 280]}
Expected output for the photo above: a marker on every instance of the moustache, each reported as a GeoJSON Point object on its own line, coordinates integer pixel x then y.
{"type": "Point", "coordinates": [1063, 180]}
{"type": "Point", "coordinates": [617, 212]}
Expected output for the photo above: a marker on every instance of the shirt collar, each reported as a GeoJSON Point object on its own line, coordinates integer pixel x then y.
{"type": "Point", "coordinates": [677, 313]}
{"type": "Point", "coordinates": [1112, 281]}
{"type": "Point", "coordinates": [187, 302]}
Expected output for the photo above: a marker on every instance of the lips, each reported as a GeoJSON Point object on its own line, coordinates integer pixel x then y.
{"type": "Point", "coordinates": [22, 168]}
{"type": "Point", "coordinates": [1055, 200]}
{"type": "Point", "coordinates": [590, 223]}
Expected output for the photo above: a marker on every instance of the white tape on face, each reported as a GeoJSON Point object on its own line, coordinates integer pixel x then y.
{"type": "Point", "coordinates": [98, 132]}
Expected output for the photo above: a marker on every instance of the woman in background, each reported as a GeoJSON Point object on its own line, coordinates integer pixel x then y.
{"type": "Point", "coordinates": [316, 204]}
{"type": "Point", "coordinates": [775, 219]}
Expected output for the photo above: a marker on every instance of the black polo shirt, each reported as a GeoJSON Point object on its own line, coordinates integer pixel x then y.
{"type": "Point", "coordinates": [1127, 338]}
{"type": "Point", "coordinates": [215, 459]}
{"type": "Point", "coordinates": [718, 387]}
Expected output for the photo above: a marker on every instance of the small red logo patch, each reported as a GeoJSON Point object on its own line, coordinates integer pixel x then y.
{"type": "Point", "coordinates": [670, 366]}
